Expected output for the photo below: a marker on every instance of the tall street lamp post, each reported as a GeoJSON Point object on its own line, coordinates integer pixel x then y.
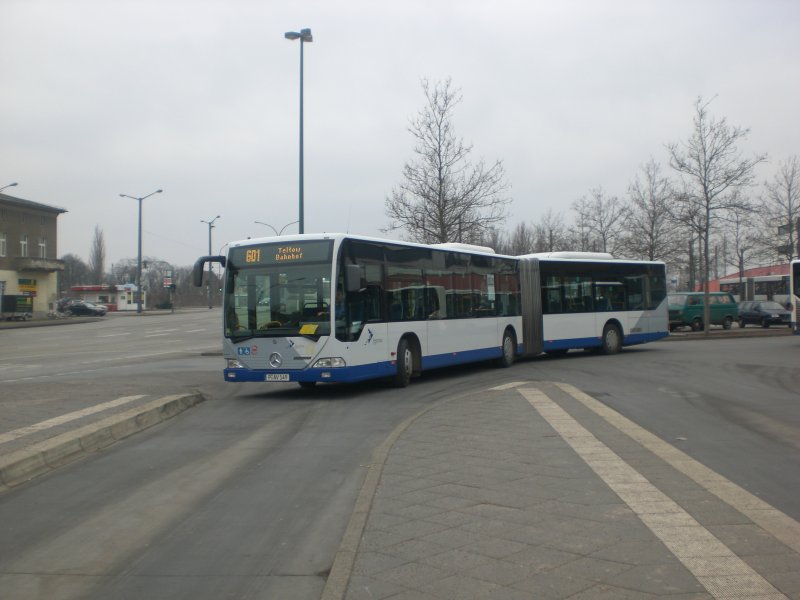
{"type": "Point", "coordinates": [275, 230]}
{"type": "Point", "coordinates": [139, 260]}
{"type": "Point", "coordinates": [208, 279]}
{"type": "Point", "coordinates": [304, 35]}
{"type": "Point", "coordinates": [8, 186]}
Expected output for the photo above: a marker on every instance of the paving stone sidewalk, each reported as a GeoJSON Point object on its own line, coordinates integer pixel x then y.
{"type": "Point", "coordinates": [480, 497]}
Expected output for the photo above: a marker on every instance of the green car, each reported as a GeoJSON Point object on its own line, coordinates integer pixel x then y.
{"type": "Point", "coordinates": [686, 309]}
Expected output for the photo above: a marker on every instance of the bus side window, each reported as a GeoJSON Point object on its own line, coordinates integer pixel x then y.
{"type": "Point", "coordinates": [396, 312]}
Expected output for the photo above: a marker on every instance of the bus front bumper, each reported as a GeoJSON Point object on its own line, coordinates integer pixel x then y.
{"type": "Point", "coordinates": [333, 375]}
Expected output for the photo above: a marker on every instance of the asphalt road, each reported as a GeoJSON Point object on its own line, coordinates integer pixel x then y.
{"type": "Point", "coordinates": [247, 494]}
{"type": "Point", "coordinates": [731, 403]}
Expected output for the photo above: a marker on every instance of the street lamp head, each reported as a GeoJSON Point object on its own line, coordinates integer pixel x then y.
{"type": "Point", "coordinates": [303, 35]}
{"type": "Point", "coordinates": [142, 198]}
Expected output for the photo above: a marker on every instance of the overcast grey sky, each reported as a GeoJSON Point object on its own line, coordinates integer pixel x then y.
{"type": "Point", "coordinates": [200, 98]}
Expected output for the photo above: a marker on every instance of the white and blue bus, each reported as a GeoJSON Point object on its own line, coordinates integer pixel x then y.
{"type": "Point", "coordinates": [343, 308]}
{"type": "Point", "coordinates": [794, 294]}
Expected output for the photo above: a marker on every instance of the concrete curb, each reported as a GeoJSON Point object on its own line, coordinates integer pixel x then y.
{"type": "Point", "coordinates": [23, 465]}
{"type": "Point", "coordinates": [342, 569]}
{"type": "Point", "coordinates": [727, 334]}
{"type": "Point", "coordinates": [48, 322]}
{"type": "Point", "coordinates": [73, 320]}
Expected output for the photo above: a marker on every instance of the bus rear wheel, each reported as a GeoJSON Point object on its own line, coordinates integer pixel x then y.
{"type": "Point", "coordinates": [405, 364]}
{"type": "Point", "coordinates": [612, 339]}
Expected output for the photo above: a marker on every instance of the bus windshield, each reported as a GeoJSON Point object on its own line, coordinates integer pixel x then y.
{"type": "Point", "coordinates": [276, 290]}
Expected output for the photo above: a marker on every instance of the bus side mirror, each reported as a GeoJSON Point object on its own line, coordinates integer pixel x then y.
{"type": "Point", "coordinates": [197, 270]}
{"type": "Point", "coordinates": [352, 278]}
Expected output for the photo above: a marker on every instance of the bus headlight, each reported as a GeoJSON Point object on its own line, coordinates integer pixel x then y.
{"type": "Point", "coordinates": [234, 364]}
{"type": "Point", "coordinates": [329, 363]}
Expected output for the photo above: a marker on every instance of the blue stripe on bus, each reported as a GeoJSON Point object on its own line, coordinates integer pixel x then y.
{"type": "Point", "coordinates": [595, 342]}
{"type": "Point", "coordinates": [643, 338]}
{"type": "Point", "coordinates": [456, 358]}
{"type": "Point", "coordinates": [363, 372]}
{"type": "Point", "coordinates": [340, 375]}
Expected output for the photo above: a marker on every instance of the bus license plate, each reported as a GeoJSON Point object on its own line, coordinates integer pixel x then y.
{"type": "Point", "coordinates": [277, 377]}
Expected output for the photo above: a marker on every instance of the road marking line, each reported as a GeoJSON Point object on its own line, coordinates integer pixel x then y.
{"type": "Point", "coordinates": [128, 357]}
{"type": "Point", "coordinates": [770, 519]}
{"type": "Point", "coordinates": [184, 351]}
{"type": "Point", "coordinates": [114, 335]}
{"type": "Point", "coordinates": [55, 421]}
{"type": "Point", "coordinates": [9, 367]}
{"type": "Point", "coordinates": [508, 386]}
{"type": "Point", "coordinates": [196, 330]}
{"type": "Point", "coordinates": [716, 567]}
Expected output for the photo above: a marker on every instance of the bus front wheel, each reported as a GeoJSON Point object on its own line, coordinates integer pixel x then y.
{"type": "Point", "coordinates": [509, 350]}
{"type": "Point", "coordinates": [405, 364]}
{"type": "Point", "coordinates": [612, 339]}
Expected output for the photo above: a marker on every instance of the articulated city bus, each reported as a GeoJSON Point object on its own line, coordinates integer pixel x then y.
{"type": "Point", "coordinates": [341, 308]}
{"type": "Point", "coordinates": [794, 286]}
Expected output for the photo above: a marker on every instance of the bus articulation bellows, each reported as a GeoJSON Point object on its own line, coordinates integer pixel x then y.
{"type": "Point", "coordinates": [343, 308]}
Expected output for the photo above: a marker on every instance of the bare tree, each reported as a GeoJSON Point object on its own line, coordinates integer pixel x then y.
{"type": "Point", "coordinates": [97, 256]}
{"type": "Point", "coordinates": [782, 210]}
{"type": "Point", "coordinates": [741, 242]}
{"type": "Point", "coordinates": [603, 217]}
{"type": "Point", "coordinates": [522, 240]}
{"type": "Point", "coordinates": [713, 170]}
{"type": "Point", "coordinates": [123, 271]}
{"type": "Point", "coordinates": [650, 231]}
{"type": "Point", "coordinates": [75, 273]}
{"type": "Point", "coordinates": [551, 233]}
{"type": "Point", "coordinates": [582, 237]}
{"type": "Point", "coordinates": [444, 197]}
{"type": "Point", "coordinates": [495, 238]}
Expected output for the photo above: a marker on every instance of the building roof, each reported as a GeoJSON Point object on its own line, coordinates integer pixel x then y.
{"type": "Point", "coordinates": [19, 202]}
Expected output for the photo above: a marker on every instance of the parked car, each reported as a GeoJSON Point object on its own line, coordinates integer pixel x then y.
{"type": "Point", "coordinates": [62, 304]}
{"type": "Point", "coordinates": [83, 308]}
{"type": "Point", "coordinates": [764, 313]}
{"type": "Point", "coordinates": [686, 308]}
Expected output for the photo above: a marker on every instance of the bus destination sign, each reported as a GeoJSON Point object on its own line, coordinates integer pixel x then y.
{"type": "Point", "coordinates": [288, 253]}
{"type": "Point", "coordinates": [272, 254]}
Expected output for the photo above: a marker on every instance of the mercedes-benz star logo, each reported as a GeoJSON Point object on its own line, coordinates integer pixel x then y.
{"type": "Point", "coordinates": [275, 359]}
